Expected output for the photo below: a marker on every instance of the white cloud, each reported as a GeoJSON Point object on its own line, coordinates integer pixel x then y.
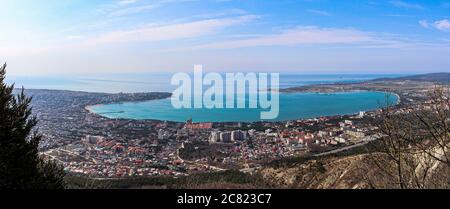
{"type": "Point", "coordinates": [443, 25]}
{"type": "Point", "coordinates": [74, 37]}
{"type": "Point", "coordinates": [424, 24]}
{"type": "Point", "coordinates": [126, 2]}
{"type": "Point", "coordinates": [225, 13]}
{"type": "Point", "coordinates": [130, 7]}
{"type": "Point", "coordinates": [406, 5]}
{"type": "Point", "coordinates": [318, 12]}
{"type": "Point", "coordinates": [396, 15]}
{"type": "Point", "coordinates": [132, 10]}
{"type": "Point", "coordinates": [298, 36]}
{"type": "Point", "coordinates": [171, 32]}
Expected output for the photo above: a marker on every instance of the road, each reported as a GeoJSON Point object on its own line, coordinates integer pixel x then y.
{"type": "Point", "coordinates": [365, 141]}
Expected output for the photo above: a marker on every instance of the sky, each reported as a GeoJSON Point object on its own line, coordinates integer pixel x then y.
{"type": "Point", "coordinates": [64, 37]}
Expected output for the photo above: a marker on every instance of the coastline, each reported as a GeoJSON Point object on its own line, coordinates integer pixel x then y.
{"type": "Point", "coordinates": [398, 101]}
{"type": "Point", "coordinates": [89, 110]}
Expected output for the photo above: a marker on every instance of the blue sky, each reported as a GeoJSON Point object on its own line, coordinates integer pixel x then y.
{"type": "Point", "coordinates": [302, 36]}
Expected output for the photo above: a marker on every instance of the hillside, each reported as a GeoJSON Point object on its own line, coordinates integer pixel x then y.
{"type": "Point", "coordinates": [348, 172]}
{"type": "Point", "coordinates": [430, 77]}
{"type": "Point", "coordinates": [357, 171]}
{"type": "Point", "coordinates": [406, 84]}
{"type": "Point", "coordinates": [353, 169]}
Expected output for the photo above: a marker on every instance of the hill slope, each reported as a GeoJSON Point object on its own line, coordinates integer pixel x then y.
{"type": "Point", "coordinates": [430, 77]}
{"type": "Point", "coordinates": [344, 172]}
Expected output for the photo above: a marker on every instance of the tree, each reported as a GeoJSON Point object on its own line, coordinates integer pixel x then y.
{"type": "Point", "coordinates": [21, 167]}
{"type": "Point", "coordinates": [414, 149]}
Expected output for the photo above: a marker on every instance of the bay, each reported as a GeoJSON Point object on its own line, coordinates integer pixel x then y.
{"type": "Point", "coordinates": [292, 106]}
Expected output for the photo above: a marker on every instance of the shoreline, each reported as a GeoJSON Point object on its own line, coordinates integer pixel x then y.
{"type": "Point", "coordinates": [88, 108]}
{"type": "Point", "coordinates": [398, 101]}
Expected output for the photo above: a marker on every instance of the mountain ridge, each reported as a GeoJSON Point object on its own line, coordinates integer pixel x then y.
{"type": "Point", "coordinates": [441, 77]}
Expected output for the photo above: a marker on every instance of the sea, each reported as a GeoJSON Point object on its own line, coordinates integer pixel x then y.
{"type": "Point", "coordinates": [292, 105]}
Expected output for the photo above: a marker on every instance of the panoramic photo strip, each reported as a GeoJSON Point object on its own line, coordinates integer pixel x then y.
{"type": "Point", "coordinates": [224, 103]}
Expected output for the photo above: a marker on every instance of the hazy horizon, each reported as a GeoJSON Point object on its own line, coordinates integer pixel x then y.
{"type": "Point", "coordinates": [161, 82]}
{"type": "Point", "coordinates": [71, 37]}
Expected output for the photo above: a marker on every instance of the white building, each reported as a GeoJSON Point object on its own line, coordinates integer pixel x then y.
{"type": "Point", "coordinates": [361, 114]}
{"type": "Point", "coordinates": [215, 137]}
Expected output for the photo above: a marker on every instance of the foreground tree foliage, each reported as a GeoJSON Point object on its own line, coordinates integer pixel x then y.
{"type": "Point", "coordinates": [414, 152]}
{"type": "Point", "coordinates": [214, 180]}
{"type": "Point", "coordinates": [21, 167]}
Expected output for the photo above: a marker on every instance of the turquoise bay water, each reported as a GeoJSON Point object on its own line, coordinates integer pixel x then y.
{"type": "Point", "coordinates": [292, 106]}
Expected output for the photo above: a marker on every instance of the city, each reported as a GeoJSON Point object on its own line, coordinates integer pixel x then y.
{"type": "Point", "coordinates": [91, 145]}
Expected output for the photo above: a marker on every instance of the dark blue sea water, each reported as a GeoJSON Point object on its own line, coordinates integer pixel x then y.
{"type": "Point", "coordinates": [148, 82]}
